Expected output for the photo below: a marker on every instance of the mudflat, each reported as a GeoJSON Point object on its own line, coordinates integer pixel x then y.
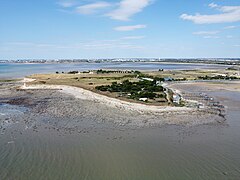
{"type": "Point", "coordinates": [56, 125]}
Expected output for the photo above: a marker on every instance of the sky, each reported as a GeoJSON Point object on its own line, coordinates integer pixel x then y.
{"type": "Point", "coordinates": [59, 29]}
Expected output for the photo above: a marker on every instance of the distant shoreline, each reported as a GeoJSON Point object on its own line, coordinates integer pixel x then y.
{"type": "Point", "coordinates": [175, 61]}
{"type": "Point", "coordinates": [15, 69]}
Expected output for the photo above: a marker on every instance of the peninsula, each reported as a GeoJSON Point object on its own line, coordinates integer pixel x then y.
{"type": "Point", "coordinates": [142, 91]}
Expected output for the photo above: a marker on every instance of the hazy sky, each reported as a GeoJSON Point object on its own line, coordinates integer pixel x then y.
{"type": "Point", "coordinates": [119, 28]}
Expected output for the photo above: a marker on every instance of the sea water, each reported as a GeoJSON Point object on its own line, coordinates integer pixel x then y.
{"type": "Point", "coordinates": [21, 70]}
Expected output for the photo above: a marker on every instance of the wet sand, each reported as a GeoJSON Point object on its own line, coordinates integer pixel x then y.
{"type": "Point", "coordinates": [58, 136]}
{"type": "Point", "coordinates": [83, 94]}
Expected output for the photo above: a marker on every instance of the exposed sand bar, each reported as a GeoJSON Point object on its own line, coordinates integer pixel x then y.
{"type": "Point", "coordinates": [81, 93]}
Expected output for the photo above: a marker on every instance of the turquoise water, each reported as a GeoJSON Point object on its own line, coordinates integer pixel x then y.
{"type": "Point", "coordinates": [21, 70]}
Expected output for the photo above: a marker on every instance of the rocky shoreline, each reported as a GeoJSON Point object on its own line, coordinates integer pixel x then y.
{"type": "Point", "coordinates": [83, 94]}
{"type": "Point", "coordinates": [61, 111]}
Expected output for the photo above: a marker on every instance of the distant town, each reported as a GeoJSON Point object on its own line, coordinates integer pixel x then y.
{"type": "Point", "coordinates": [226, 61]}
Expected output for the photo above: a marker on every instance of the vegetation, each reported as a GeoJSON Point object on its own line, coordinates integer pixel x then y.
{"type": "Point", "coordinates": [73, 72]}
{"type": "Point", "coordinates": [101, 71]}
{"type": "Point", "coordinates": [136, 90]}
{"type": "Point", "coordinates": [132, 84]}
{"type": "Point", "coordinates": [233, 68]}
{"type": "Point", "coordinates": [8, 80]}
{"type": "Point", "coordinates": [180, 79]}
{"type": "Point", "coordinates": [220, 77]}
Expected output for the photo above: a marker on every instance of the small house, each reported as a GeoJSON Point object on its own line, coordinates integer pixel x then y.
{"type": "Point", "coordinates": [168, 79]}
{"type": "Point", "coordinates": [176, 98]}
{"type": "Point", "coordinates": [158, 83]}
{"type": "Point", "coordinates": [148, 79]}
{"type": "Point", "coordinates": [143, 99]}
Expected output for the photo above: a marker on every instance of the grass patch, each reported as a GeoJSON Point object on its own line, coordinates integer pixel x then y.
{"type": "Point", "coordinates": [9, 80]}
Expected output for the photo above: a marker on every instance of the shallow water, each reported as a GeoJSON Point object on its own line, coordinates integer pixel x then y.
{"type": "Point", "coordinates": [7, 109]}
{"type": "Point", "coordinates": [21, 70]}
{"type": "Point", "coordinates": [108, 152]}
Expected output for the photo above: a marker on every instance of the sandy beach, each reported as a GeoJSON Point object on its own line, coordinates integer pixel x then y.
{"type": "Point", "coordinates": [83, 94]}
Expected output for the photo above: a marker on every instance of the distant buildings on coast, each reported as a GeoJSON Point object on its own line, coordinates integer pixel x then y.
{"type": "Point", "coordinates": [227, 61]}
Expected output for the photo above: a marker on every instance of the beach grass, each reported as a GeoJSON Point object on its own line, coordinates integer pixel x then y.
{"type": "Point", "coordinates": [90, 81]}
{"type": "Point", "coordinates": [8, 80]}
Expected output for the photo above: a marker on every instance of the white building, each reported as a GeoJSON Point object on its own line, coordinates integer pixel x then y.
{"type": "Point", "coordinates": [148, 79]}
{"type": "Point", "coordinates": [143, 99]}
{"type": "Point", "coordinates": [176, 98]}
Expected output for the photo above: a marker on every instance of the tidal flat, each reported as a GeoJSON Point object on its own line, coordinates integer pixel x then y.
{"type": "Point", "coordinates": [46, 134]}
